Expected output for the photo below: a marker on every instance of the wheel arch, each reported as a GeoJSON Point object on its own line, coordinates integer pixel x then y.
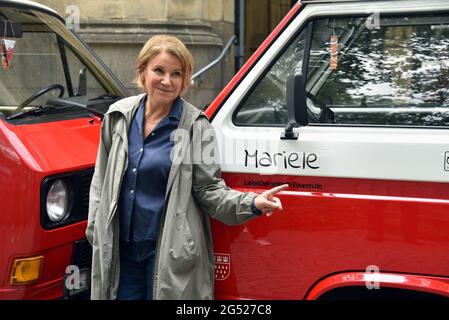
{"type": "Point", "coordinates": [363, 285]}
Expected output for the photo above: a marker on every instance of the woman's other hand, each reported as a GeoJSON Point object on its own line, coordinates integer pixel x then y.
{"type": "Point", "coordinates": [267, 202]}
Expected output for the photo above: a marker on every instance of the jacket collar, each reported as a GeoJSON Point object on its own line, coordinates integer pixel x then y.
{"type": "Point", "coordinates": [128, 106]}
{"type": "Point", "coordinates": [188, 116]}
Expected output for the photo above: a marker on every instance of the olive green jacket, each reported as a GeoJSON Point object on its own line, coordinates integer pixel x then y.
{"type": "Point", "coordinates": [184, 265]}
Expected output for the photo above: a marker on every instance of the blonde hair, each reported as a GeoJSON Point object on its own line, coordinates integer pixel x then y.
{"type": "Point", "coordinates": [170, 44]}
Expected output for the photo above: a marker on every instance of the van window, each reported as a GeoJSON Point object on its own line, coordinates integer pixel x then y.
{"type": "Point", "coordinates": [266, 105]}
{"type": "Point", "coordinates": [396, 73]}
{"type": "Point", "coordinates": [45, 55]}
{"type": "Point", "coordinates": [36, 64]}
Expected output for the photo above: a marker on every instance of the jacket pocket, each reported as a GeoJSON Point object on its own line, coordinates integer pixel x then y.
{"type": "Point", "coordinates": [183, 252]}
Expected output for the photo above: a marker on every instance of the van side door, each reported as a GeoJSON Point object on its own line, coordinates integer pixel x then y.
{"type": "Point", "coordinates": [368, 176]}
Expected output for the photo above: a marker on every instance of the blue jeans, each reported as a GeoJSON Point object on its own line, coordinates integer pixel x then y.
{"type": "Point", "coordinates": [136, 270]}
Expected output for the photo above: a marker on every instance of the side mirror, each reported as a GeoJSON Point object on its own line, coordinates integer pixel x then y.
{"type": "Point", "coordinates": [82, 83]}
{"type": "Point", "coordinates": [296, 106]}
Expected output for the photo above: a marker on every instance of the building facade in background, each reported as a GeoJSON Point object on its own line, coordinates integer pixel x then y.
{"type": "Point", "coordinates": [117, 29]}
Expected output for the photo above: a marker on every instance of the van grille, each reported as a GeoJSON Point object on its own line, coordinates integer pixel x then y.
{"type": "Point", "coordinates": [82, 254]}
{"type": "Point", "coordinates": [85, 188]}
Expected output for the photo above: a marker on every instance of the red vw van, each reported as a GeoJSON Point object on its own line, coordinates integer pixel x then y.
{"type": "Point", "coordinates": [348, 102]}
{"type": "Point", "coordinates": [53, 92]}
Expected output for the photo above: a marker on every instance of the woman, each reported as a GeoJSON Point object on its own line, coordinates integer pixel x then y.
{"type": "Point", "coordinates": [149, 199]}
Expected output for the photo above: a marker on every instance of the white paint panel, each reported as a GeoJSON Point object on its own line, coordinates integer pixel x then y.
{"type": "Point", "coordinates": [347, 152]}
{"type": "Point", "coordinates": [374, 153]}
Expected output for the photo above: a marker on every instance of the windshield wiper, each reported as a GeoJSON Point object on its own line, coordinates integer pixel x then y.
{"type": "Point", "coordinates": [58, 103]}
{"type": "Point", "coordinates": [46, 107]}
{"type": "Point", "coordinates": [34, 111]}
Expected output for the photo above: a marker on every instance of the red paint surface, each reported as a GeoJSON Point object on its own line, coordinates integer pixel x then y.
{"type": "Point", "coordinates": [28, 154]}
{"type": "Point", "coordinates": [348, 224]}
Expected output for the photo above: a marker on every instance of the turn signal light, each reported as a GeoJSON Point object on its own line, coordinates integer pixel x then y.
{"type": "Point", "coordinates": [26, 270]}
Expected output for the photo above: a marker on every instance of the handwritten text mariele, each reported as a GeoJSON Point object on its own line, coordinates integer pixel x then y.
{"type": "Point", "coordinates": [296, 160]}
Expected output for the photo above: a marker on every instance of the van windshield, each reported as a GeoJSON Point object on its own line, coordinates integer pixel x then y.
{"type": "Point", "coordinates": [47, 61]}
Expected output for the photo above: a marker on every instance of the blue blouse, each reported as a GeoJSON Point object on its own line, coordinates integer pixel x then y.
{"type": "Point", "coordinates": [142, 194]}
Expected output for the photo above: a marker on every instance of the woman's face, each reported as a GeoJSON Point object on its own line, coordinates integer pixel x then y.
{"type": "Point", "coordinates": [163, 79]}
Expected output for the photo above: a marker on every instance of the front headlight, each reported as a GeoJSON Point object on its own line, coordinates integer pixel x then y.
{"type": "Point", "coordinates": [64, 198]}
{"type": "Point", "coordinates": [58, 201]}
